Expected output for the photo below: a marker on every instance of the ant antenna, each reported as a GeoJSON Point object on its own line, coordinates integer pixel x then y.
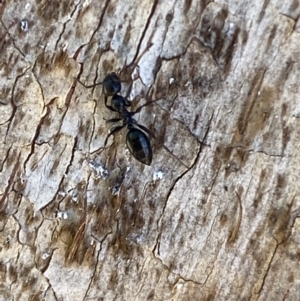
{"type": "Point", "coordinates": [133, 64]}
{"type": "Point", "coordinates": [89, 86]}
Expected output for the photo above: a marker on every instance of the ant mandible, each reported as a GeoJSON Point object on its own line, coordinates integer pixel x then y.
{"type": "Point", "coordinates": [137, 141]}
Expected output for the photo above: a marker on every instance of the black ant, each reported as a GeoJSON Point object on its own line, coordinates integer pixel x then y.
{"type": "Point", "coordinates": [137, 141]}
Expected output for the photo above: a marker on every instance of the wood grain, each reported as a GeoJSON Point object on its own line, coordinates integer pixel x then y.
{"type": "Point", "coordinates": [80, 222]}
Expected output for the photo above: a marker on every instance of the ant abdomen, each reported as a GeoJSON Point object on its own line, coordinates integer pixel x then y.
{"type": "Point", "coordinates": [139, 145]}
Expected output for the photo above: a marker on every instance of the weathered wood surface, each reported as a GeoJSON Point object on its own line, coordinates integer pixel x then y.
{"type": "Point", "coordinates": [226, 79]}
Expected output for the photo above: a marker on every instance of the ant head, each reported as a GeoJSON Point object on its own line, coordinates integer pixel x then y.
{"type": "Point", "coordinates": [111, 84]}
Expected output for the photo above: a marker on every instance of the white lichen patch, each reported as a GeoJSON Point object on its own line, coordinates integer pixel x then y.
{"type": "Point", "coordinates": [99, 170]}
{"type": "Point", "coordinates": [62, 215]}
{"type": "Point", "coordinates": [158, 175]}
{"type": "Point", "coordinates": [45, 256]}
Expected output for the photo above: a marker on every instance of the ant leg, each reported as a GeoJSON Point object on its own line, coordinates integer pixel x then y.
{"type": "Point", "coordinates": [146, 104]}
{"type": "Point", "coordinates": [90, 86]}
{"type": "Point", "coordinates": [107, 106]}
{"type": "Point", "coordinates": [165, 147]}
{"type": "Point", "coordinates": [114, 130]}
{"type": "Point", "coordinates": [113, 119]}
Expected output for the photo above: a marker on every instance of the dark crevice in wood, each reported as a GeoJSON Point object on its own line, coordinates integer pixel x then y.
{"type": "Point", "coordinates": [154, 5]}
{"type": "Point", "coordinates": [65, 24]}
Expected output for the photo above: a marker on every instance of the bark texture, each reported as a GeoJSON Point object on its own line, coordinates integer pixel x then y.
{"type": "Point", "coordinates": [220, 222]}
